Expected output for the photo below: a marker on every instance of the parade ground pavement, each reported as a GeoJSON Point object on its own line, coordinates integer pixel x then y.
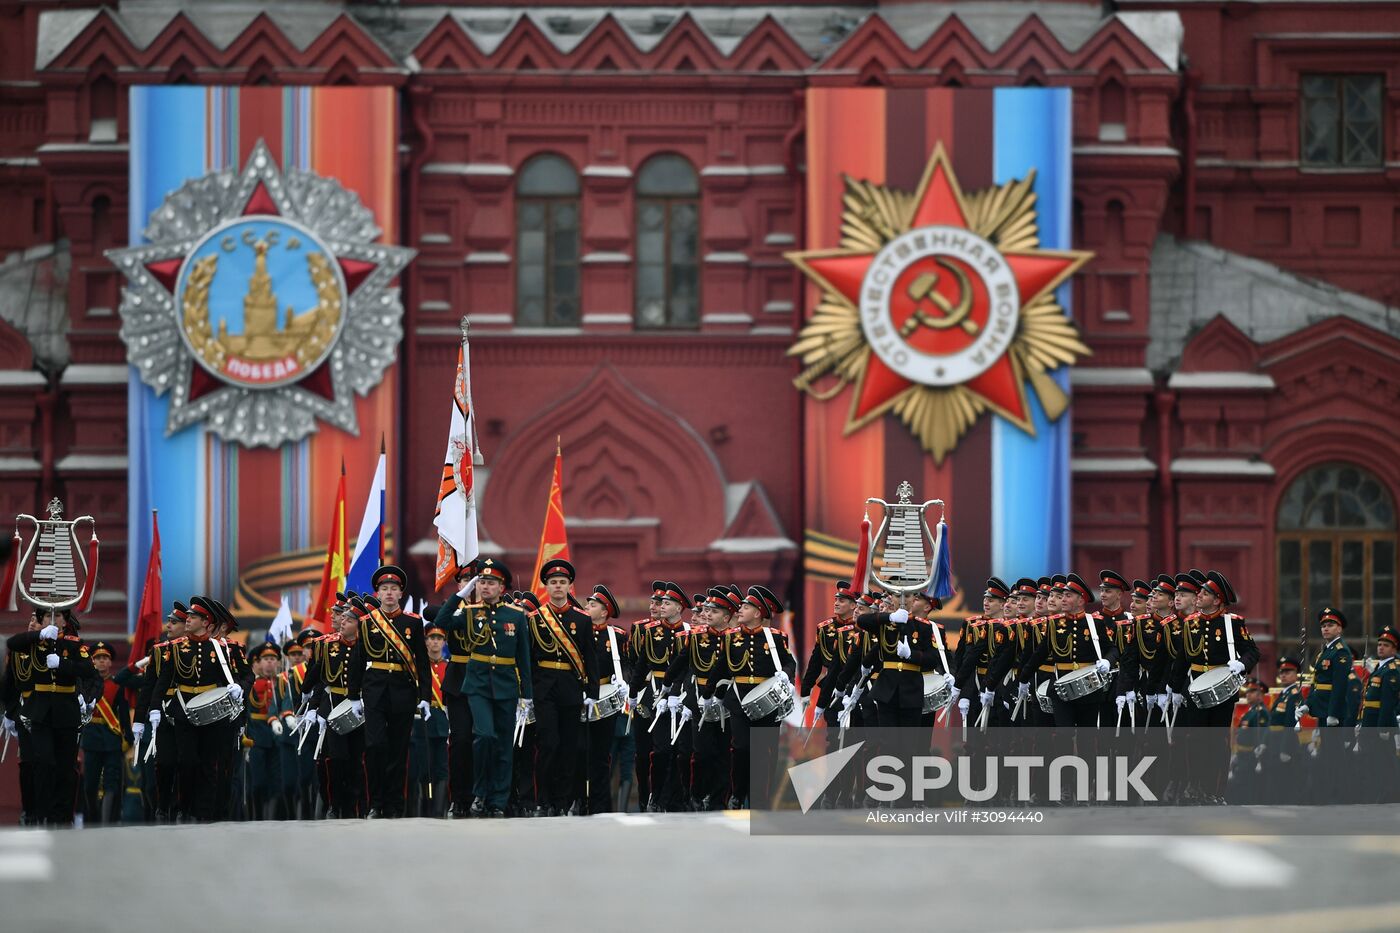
{"type": "Point", "coordinates": [674, 872]}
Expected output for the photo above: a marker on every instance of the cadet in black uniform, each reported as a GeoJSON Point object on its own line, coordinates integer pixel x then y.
{"type": "Point", "coordinates": [459, 711]}
{"type": "Point", "coordinates": [903, 646]}
{"type": "Point", "coordinates": [565, 686]}
{"type": "Point", "coordinates": [823, 656]}
{"type": "Point", "coordinates": [610, 666]}
{"type": "Point", "coordinates": [328, 682]}
{"type": "Point", "coordinates": [654, 645]}
{"type": "Point", "coordinates": [390, 677]}
{"type": "Point", "coordinates": [751, 654]}
{"type": "Point", "coordinates": [1077, 640]}
{"type": "Point", "coordinates": [52, 670]}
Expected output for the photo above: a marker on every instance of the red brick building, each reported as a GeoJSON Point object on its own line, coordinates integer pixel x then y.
{"type": "Point", "coordinates": [607, 192]}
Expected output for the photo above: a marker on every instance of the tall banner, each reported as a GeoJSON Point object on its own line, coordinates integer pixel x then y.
{"type": "Point", "coordinates": [261, 319]}
{"type": "Point", "coordinates": [937, 339]}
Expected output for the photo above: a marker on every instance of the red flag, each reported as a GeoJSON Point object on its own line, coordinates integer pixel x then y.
{"type": "Point", "coordinates": [149, 615]}
{"type": "Point", "coordinates": [554, 538]}
{"type": "Point", "coordinates": [337, 560]}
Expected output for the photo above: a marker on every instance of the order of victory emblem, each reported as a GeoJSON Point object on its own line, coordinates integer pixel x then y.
{"type": "Point", "coordinates": [261, 303]}
{"type": "Point", "coordinates": [938, 306]}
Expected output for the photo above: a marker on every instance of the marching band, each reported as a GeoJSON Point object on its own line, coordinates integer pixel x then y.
{"type": "Point", "coordinates": [500, 704]}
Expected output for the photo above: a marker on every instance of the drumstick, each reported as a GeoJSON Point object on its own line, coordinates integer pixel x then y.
{"type": "Point", "coordinates": [1132, 714]}
{"type": "Point", "coordinates": [6, 750]}
{"type": "Point", "coordinates": [316, 752]}
{"type": "Point", "coordinates": [1118, 727]}
{"type": "Point", "coordinates": [305, 731]}
{"type": "Point", "coordinates": [1015, 713]}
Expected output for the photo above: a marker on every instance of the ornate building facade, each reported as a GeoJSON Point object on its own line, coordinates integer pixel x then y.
{"type": "Point", "coordinates": [607, 194]}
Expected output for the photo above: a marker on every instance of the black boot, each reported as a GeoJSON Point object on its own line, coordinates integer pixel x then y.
{"type": "Point", "coordinates": [624, 795]}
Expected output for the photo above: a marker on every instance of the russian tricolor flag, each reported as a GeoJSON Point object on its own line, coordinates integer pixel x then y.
{"type": "Point", "coordinates": [369, 544]}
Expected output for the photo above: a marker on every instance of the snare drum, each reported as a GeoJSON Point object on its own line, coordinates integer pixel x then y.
{"type": "Point", "coordinates": [609, 703]}
{"type": "Point", "coordinates": [774, 695]}
{"type": "Point", "coordinates": [938, 691]}
{"type": "Point", "coordinates": [1042, 698]}
{"type": "Point", "coordinates": [343, 719]}
{"type": "Point", "coordinates": [716, 711]}
{"type": "Point", "coordinates": [1220, 685]}
{"type": "Point", "coordinates": [1076, 685]}
{"type": "Point", "coordinates": [211, 707]}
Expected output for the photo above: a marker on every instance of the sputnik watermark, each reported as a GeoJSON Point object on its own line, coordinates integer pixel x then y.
{"type": "Point", "coordinates": [911, 780]}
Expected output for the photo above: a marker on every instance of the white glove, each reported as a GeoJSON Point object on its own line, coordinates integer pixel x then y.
{"type": "Point", "coordinates": [899, 617]}
{"type": "Point", "coordinates": [528, 706]}
{"type": "Point", "coordinates": [1284, 757]}
{"type": "Point", "coordinates": [1300, 711]}
{"type": "Point", "coordinates": [782, 675]}
{"type": "Point", "coordinates": [1023, 691]}
{"type": "Point", "coordinates": [321, 722]}
{"type": "Point", "coordinates": [588, 705]}
{"type": "Point", "coordinates": [962, 707]}
{"type": "Point", "coordinates": [141, 664]}
{"type": "Point", "coordinates": [8, 725]}
{"type": "Point", "coordinates": [1356, 729]}
{"type": "Point", "coordinates": [1120, 701]}
{"type": "Point", "coordinates": [848, 702]}
{"type": "Point", "coordinates": [955, 694]}
{"type": "Point", "coordinates": [138, 731]}
{"type": "Point", "coordinates": [620, 684]}
{"type": "Point", "coordinates": [686, 714]}
{"type": "Point", "coordinates": [424, 709]}
{"type": "Point", "coordinates": [52, 661]}
{"type": "Point", "coordinates": [306, 699]}
{"type": "Point", "coordinates": [358, 706]}
{"type": "Point", "coordinates": [673, 704]}
{"type": "Point", "coordinates": [1102, 665]}
{"type": "Point", "coordinates": [48, 632]}
{"type": "Point", "coordinates": [985, 697]}
{"type": "Point", "coordinates": [1162, 701]}
{"type": "Point", "coordinates": [85, 706]}
{"type": "Point", "coordinates": [154, 718]}
{"type": "Point", "coordinates": [903, 649]}
{"type": "Point", "coordinates": [1177, 700]}
{"type": "Point", "coordinates": [236, 692]}
{"type": "Point", "coordinates": [276, 725]}
{"type": "Point", "coordinates": [1235, 667]}
{"type": "Point", "coordinates": [308, 719]}
{"type": "Point", "coordinates": [1333, 721]}
{"type": "Point", "coordinates": [865, 671]}
{"type": "Point", "coordinates": [817, 713]}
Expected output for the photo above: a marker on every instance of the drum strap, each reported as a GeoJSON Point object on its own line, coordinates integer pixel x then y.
{"type": "Point", "coordinates": [1093, 621]}
{"type": "Point", "coordinates": [772, 649]}
{"type": "Point", "coordinates": [1229, 621]}
{"type": "Point", "coordinates": [938, 643]}
{"type": "Point", "coordinates": [612, 646]}
{"type": "Point", "coordinates": [223, 660]}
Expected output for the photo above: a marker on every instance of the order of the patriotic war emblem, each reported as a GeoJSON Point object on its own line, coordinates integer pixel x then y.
{"type": "Point", "coordinates": [261, 303]}
{"type": "Point", "coordinates": [938, 306]}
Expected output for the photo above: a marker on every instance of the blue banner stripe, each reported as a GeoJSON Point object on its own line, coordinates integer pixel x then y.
{"type": "Point", "coordinates": [167, 148]}
{"type": "Point", "coordinates": [1031, 474]}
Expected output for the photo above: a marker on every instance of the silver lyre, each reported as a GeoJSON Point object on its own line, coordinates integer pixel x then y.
{"type": "Point", "coordinates": [904, 542]}
{"type": "Point", "coordinates": [48, 561]}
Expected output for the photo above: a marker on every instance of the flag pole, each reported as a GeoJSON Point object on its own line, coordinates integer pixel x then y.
{"type": "Point", "coordinates": [477, 459]}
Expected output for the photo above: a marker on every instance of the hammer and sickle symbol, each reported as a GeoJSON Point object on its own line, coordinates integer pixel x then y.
{"type": "Point", "coordinates": [922, 290]}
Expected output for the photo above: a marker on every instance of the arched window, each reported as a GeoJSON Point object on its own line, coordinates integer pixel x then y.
{"type": "Point", "coordinates": [547, 244]}
{"type": "Point", "coordinates": [668, 243]}
{"type": "Point", "coordinates": [1336, 544]}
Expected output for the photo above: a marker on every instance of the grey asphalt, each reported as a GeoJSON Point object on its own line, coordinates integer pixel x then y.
{"type": "Point", "coordinates": [682, 872]}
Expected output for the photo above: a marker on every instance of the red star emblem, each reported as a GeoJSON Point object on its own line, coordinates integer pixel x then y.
{"type": "Point", "coordinates": [939, 306]}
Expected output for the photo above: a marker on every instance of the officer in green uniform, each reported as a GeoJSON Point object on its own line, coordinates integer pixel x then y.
{"type": "Point", "coordinates": [1282, 764]}
{"type": "Point", "coordinates": [265, 707]}
{"type": "Point", "coordinates": [103, 741]}
{"type": "Point", "coordinates": [1375, 732]}
{"type": "Point", "coordinates": [1247, 752]}
{"type": "Point", "coordinates": [497, 684]}
{"type": "Point", "coordinates": [1333, 676]}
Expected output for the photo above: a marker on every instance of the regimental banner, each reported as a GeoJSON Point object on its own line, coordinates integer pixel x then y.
{"type": "Point", "coordinates": [262, 319]}
{"type": "Point", "coordinates": [937, 340]}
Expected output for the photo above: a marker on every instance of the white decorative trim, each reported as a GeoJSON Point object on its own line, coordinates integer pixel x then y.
{"type": "Point", "coordinates": [713, 171]}
{"type": "Point", "coordinates": [20, 162]}
{"type": "Point", "coordinates": [1221, 380]}
{"type": "Point", "coordinates": [82, 147]}
{"type": "Point", "coordinates": [607, 318]}
{"type": "Point", "coordinates": [1127, 150]}
{"type": "Point", "coordinates": [606, 171]}
{"type": "Point", "coordinates": [468, 168]}
{"type": "Point", "coordinates": [18, 464]}
{"type": "Point", "coordinates": [1222, 466]}
{"type": "Point", "coordinates": [752, 545]}
{"type": "Point", "coordinates": [727, 317]}
{"type": "Point", "coordinates": [434, 239]}
{"type": "Point", "coordinates": [17, 378]}
{"type": "Point", "coordinates": [1111, 465]}
{"type": "Point", "coordinates": [1110, 376]}
{"type": "Point", "coordinates": [488, 318]}
{"type": "Point", "coordinates": [734, 258]}
{"type": "Point", "coordinates": [771, 331]}
{"type": "Point", "coordinates": [642, 521]}
{"type": "Point", "coordinates": [778, 307]}
{"type": "Point", "coordinates": [602, 257]}
{"type": "Point", "coordinates": [434, 306]}
{"type": "Point", "coordinates": [779, 239]}
{"type": "Point", "coordinates": [78, 463]}
{"type": "Point", "coordinates": [94, 374]}
{"type": "Point", "coordinates": [487, 258]}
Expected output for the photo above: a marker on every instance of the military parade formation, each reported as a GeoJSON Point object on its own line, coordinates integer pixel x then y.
{"type": "Point", "coordinates": [503, 703]}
